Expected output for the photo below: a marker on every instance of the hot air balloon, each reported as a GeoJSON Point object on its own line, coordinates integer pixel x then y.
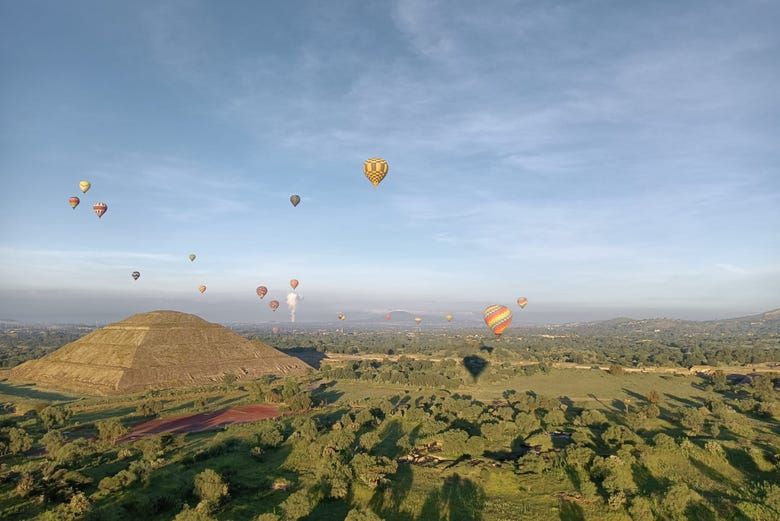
{"type": "Point", "coordinates": [417, 320]}
{"type": "Point", "coordinates": [375, 170]}
{"type": "Point", "coordinates": [136, 275]}
{"type": "Point", "coordinates": [295, 199]}
{"type": "Point", "coordinates": [202, 288]}
{"type": "Point", "coordinates": [497, 318]}
{"type": "Point", "coordinates": [74, 202]}
{"type": "Point", "coordinates": [388, 316]}
{"type": "Point", "coordinates": [342, 316]}
{"type": "Point", "coordinates": [275, 330]}
{"type": "Point", "coordinates": [261, 291]}
{"type": "Point", "coordinates": [100, 209]}
{"type": "Point", "coordinates": [192, 257]}
{"type": "Point", "coordinates": [522, 302]}
{"type": "Point", "coordinates": [84, 186]}
{"type": "Point", "coordinates": [274, 305]}
{"type": "Point", "coordinates": [448, 317]}
{"type": "Point", "coordinates": [294, 283]}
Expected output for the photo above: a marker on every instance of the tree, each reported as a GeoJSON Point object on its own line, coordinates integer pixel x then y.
{"type": "Point", "coordinates": [692, 420]}
{"type": "Point", "coordinates": [298, 505]}
{"type": "Point", "coordinates": [192, 514]}
{"type": "Point", "coordinates": [268, 434]}
{"type": "Point", "coordinates": [592, 418]}
{"type": "Point", "coordinates": [653, 397]}
{"type": "Point", "coordinates": [18, 441]}
{"type": "Point", "coordinates": [52, 441]}
{"type": "Point", "coordinates": [55, 416]}
{"type": "Point", "coordinates": [554, 419]}
{"type": "Point", "coordinates": [373, 470]}
{"type": "Point", "coordinates": [359, 514]}
{"type": "Point", "coordinates": [300, 402]}
{"type": "Point", "coordinates": [677, 499]}
{"type": "Point", "coordinates": [25, 486]}
{"type": "Point", "coordinates": [229, 380]}
{"type": "Point", "coordinates": [268, 516]}
{"type": "Point", "coordinates": [210, 487]}
{"type": "Point", "coordinates": [640, 509]}
{"type": "Point", "coordinates": [149, 408]}
{"type": "Point", "coordinates": [615, 370]}
{"type": "Point", "coordinates": [110, 431]}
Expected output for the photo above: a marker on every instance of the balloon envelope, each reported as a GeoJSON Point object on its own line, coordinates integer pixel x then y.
{"type": "Point", "coordinates": [497, 318]}
{"type": "Point", "coordinates": [275, 330]}
{"type": "Point", "coordinates": [261, 291]}
{"type": "Point", "coordinates": [192, 257]}
{"type": "Point", "coordinates": [342, 316]}
{"type": "Point", "coordinates": [100, 209]}
{"type": "Point", "coordinates": [295, 199]}
{"type": "Point", "coordinates": [448, 317]}
{"type": "Point", "coordinates": [417, 320]}
{"type": "Point", "coordinates": [84, 186]}
{"type": "Point", "coordinates": [74, 202]}
{"type": "Point", "coordinates": [274, 305]}
{"type": "Point", "coordinates": [136, 275]}
{"type": "Point", "coordinates": [388, 316]}
{"type": "Point", "coordinates": [294, 283]}
{"type": "Point", "coordinates": [202, 288]}
{"type": "Point", "coordinates": [375, 169]}
{"type": "Point", "coordinates": [522, 302]}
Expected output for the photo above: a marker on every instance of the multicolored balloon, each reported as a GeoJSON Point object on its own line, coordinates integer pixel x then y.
{"type": "Point", "coordinates": [274, 305]}
{"type": "Point", "coordinates": [192, 257]}
{"type": "Point", "coordinates": [342, 316]}
{"type": "Point", "coordinates": [100, 209]}
{"type": "Point", "coordinates": [448, 317]}
{"type": "Point", "coordinates": [74, 202]}
{"type": "Point", "coordinates": [136, 275]}
{"type": "Point", "coordinates": [294, 283]}
{"type": "Point", "coordinates": [295, 199]}
{"type": "Point", "coordinates": [522, 302]}
{"type": "Point", "coordinates": [497, 318]}
{"type": "Point", "coordinates": [261, 291]}
{"type": "Point", "coordinates": [417, 320]}
{"type": "Point", "coordinates": [375, 170]}
{"type": "Point", "coordinates": [202, 288]}
{"type": "Point", "coordinates": [84, 186]}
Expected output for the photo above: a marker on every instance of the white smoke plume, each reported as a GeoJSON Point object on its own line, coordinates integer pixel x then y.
{"type": "Point", "coordinates": [292, 303]}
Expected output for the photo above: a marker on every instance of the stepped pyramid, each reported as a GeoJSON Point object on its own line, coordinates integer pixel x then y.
{"type": "Point", "coordinates": [155, 350]}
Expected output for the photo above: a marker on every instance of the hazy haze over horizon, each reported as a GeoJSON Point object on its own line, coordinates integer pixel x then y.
{"type": "Point", "coordinates": [603, 159]}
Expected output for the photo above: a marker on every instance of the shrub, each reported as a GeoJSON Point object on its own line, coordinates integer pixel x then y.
{"type": "Point", "coordinates": [52, 441]}
{"type": "Point", "coordinates": [25, 486]}
{"type": "Point", "coordinates": [54, 416]}
{"type": "Point", "coordinates": [359, 514]}
{"type": "Point", "coordinates": [191, 514]}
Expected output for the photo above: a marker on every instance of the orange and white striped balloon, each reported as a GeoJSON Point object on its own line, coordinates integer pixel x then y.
{"type": "Point", "coordinates": [497, 318]}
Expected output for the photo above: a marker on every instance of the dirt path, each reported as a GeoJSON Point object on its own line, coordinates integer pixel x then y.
{"type": "Point", "coordinates": [204, 421]}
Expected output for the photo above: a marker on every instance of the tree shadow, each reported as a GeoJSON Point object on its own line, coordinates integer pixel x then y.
{"type": "Point", "coordinates": [571, 511]}
{"type": "Point", "coordinates": [635, 395]}
{"type": "Point", "coordinates": [713, 474]}
{"type": "Point", "coordinates": [390, 435]}
{"type": "Point", "coordinates": [684, 401]}
{"type": "Point", "coordinates": [475, 365]}
{"type": "Point", "coordinates": [30, 392]}
{"type": "Point", "coordinates": [307, 355]}
{"type": "Point", "coordinates": [646, 482]}
{"type": "Point", "coordinates": [464, 498]}
{"type": "Point", "coordinates": [326, 397]}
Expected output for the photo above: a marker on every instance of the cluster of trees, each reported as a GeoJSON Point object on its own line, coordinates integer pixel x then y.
{"type": "Point", "coordinates": [19, 344]}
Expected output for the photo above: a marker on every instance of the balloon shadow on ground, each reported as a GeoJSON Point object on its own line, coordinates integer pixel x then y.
{"type": "Point", "coordinates": [475, 365]}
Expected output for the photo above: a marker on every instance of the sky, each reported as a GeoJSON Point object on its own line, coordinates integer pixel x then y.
{"type": "Point", "coordinates": [602, 158]}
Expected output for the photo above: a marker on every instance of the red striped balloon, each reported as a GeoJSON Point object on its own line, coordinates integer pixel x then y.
{"type": "Point", "coordinates": [100, 209]}
{"type": "Point", "coordinates": [498, 318]}
{"type": "Point", "coordinates": [74, 202]}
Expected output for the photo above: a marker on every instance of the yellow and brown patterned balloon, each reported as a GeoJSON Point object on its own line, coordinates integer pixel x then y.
{"type": "Point", "coordinates": [375, 170]}
{"type": "Point", "coordinates": [522, 302]}
{"type": "Point", "coordinates": [342, 316]}
{"type": "Point", "coordinates": [84, 186]}
{"type": "Point", "coordinates": [417, 320]}
{"type": "Point", "coordinates": [448, 317]}
{"type": "Point", "coordinates": [497, 318]}
{"type": "Point", "coordinates": [202, 288]}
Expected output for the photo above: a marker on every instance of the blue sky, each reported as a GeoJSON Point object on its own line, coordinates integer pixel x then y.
{"type": "Point", "coordinates": [601, 158]}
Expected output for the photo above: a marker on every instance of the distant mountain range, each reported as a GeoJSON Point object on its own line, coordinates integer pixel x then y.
{"type": "Point", "coordinates": [761, 324]}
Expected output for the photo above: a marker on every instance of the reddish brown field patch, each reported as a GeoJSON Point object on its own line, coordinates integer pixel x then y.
{"type": "Point", "coordinates": [203, 421]}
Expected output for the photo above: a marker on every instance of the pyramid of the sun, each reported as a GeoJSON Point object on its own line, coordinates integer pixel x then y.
{"type": "Point", "coordinates": [155, 350]}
